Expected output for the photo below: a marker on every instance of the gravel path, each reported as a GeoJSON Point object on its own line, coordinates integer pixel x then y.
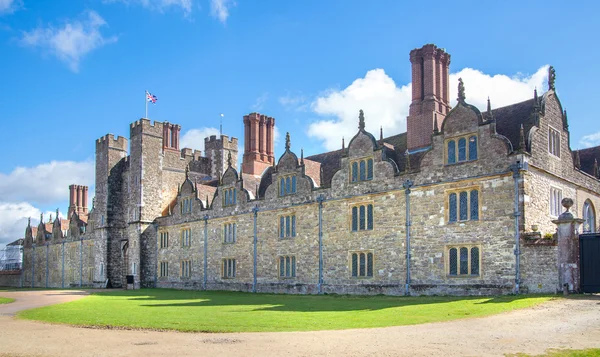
{"type": "Point", "coordinates": [567, 323]}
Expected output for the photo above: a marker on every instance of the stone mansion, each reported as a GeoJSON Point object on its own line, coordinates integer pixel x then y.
{"type": "Point", "coordinates": [461, 203]}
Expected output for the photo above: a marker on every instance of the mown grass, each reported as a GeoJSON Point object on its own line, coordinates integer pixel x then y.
{"type": "Point", "coordinates": [590, 352]}
{"type": "Point", "coordinates": [219, 311]}
{"type": "Point", "coordinates": [4, 300]}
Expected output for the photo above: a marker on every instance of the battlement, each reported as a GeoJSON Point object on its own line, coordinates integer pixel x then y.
{"type": "Point", "coordinates": [145, 126]}
{"type": "Point", "coordinates": [227, 143]}
{"type": "Point", "coordinates": [261, 118]}
{"type": "Point", "coordinates": [109, 141]}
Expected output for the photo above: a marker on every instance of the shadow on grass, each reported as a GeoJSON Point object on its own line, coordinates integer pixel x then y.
{"type": "Point", "coordinates": [157, 298]}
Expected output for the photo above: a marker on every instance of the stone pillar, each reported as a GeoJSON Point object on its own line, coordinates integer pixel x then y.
{"type": "Point", "coordinates": [79, 199]}
{"type": "Point", "coordinates": [568, 247]}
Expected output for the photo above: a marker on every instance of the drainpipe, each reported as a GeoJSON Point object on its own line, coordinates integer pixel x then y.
{"type": "Point", "coordinates": [63, 265]}
{"type": "Point", "coordinates": [205, 278]}
{"type": "Point", "coordinates": [33, 267]}
{"type": "Point", "coordinates": [320, 200]}
{"type": "Point", "coordinates": [157, 248]}
{"type": "Point", "coordinates": [516, 169]}
{"type": "Point", "coordinates": [47, 247]}
{"type": "Point", "coordinates": [255, 210]}
{"type": "Point", "coordinates": [407, 185]}
{"type": "Point", "coordinates": [81, 263]}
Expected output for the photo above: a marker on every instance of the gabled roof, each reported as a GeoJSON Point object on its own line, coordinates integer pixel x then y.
{"type": "Point", "coordinates": [586, 158]}
{"type": "Point", "coordinates": [330, 163]}
{"type": "Point", "coordinates": [509, 120]}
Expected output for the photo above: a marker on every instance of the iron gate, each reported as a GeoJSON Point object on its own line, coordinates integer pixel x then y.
{"type": "Point", "coordinates": [589, 260]}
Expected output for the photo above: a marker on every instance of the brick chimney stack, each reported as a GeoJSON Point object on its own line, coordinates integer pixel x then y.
{"type": "Point", "coordinates": [259, 131]}
{"type": "Point", "coordinates": [78, 198]}
{"type": "Point", "coordinates": [430, 94]}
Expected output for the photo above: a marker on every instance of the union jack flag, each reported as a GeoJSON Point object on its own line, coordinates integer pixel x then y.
{"type": "Point", "coordinates": [151, 97]}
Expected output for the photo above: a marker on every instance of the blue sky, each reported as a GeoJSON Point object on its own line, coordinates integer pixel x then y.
{"type": "Point", "coordinates": [73, 71]}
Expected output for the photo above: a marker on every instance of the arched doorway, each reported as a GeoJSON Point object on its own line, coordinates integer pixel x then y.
{"type": "Point", "coordinates": [589, 217]}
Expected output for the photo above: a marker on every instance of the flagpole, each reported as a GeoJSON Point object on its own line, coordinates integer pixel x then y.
{"type": "Point", "coordinates": [146, 101]}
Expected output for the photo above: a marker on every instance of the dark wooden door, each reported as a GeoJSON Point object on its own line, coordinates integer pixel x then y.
{"type": "Point", "coordinates": [589, 255]}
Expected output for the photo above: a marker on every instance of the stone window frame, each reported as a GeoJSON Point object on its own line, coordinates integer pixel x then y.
{"type": "Point", "coordinates": [133, 268]}
{"type": "Point", "coordinates": [554, 139]}
{"type": "Point", "coordinates": [185, 268]}
{"type": "Point", "coordinates": [469, 247]}
{"type": "Point", "coordinates": [358, 253]}
{"type": "Point", "coordinates": [354, 169]}
{"type": "Point", "coordinates": [554, 201]}
{"type": "Point", "coordinates": [366, 204]}
{"type": "Point", "coordinates": [283, 184]}
{"type": "Point", "coordinates": [163, 269]}
{"type": "Point", "coordinates": [289, 266]}
{"type": "Point", "coordinates": [228, 198]}
{"type": "Point", "coordinates": [293, 224]}
{"type": "Point", "coordinates": [163, 239]}
{"type": "Point", "coordinates": [185, 235]}
{"type": "Point", "coordinates": [228, 268]}
{"type": "Point", "coordinates": [457, 191]}
{"type": "Point", "coordinates": [468, 153]}
{"type": "Point", "coordinates": [226, 231]}
{"type": "Point", "coordinates": [186, 205]}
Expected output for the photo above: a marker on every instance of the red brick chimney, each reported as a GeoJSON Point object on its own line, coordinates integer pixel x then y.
{"type": "Point", "coordinates": [78, 200]}
{"type": "Point", "coordinates": [430, 94]}
{"type": "Point", "coordinates": [259, 133]}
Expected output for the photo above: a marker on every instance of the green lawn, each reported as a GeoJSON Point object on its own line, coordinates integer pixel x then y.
{"type": "Point", "coordinates": [218, 311]}
{"type": "Point", "coordinates": [4, 300]}
{"type": "Point", "coordinates": [591, 352]}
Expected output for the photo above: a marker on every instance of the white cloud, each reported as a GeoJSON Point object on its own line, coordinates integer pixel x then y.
{"type": "Point", "coordinates": [10, 6]}
{"type": "Point", "coordinates": [220, 9]}
{"type": "Point", "coordinates": [194, 138]}
{"type": "Point", "coordinates": [71, 42]}
{"type": "Point", "coordinates": [45, 183]}
{"type": "Point", "coordinates": [296, 102]}
{"type": "Point", "coordinates": [590, 140]}
{"type": "Point", "coordinates": [276, 136]}
{"type": "Point", "coordinates": [13, 219]}
{"type": "Point", "coordinates": [385, 104]}
{"type": "Point", "coordinates": [158, 5]}
{"type": "Point", "coordinates": [260, 102]}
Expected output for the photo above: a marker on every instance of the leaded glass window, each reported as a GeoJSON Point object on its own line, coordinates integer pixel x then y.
{"type": "Point", "coordinates": [354, 218]}
{"type": "Point", "coordinates": [362, 264]}
{"type": "Point", "coordinates": [369, 169]}
{"type": "Point", "coordinates": [472, 148]}
{"type": "Point", "coordinates": [452, 207]}
{"type": "Point", "coordinates": [287, 185]}
{"type": "Point", "coordinates": [464, 260]}
{"type": "Point", "coordinates": [589, 217]}
{"type": "Point", "coordinates": [474, 205]}
{"type": "Point", "coordinates": [464, 208]}
{"type": "Point", "coordinates": [453, 262]}
{"type": "Point", "coordinates": [293, 184]}
{"type": "Point", "coordinates": [370, 217]}
{"type": "Point", "coordinates": [287, 226]}
{"type": "Point", "coordinates": [369, 264]}
{"type": "Point", "coordinates": [363, 174]}
{"type": "Point", "coordinates": [451, 152]}
{"type": "Point", "coordinates": [361, 170]}
{"type": "Point", "coordinates": [474, 261]}
{"type": "Point", "coordinates": [462, 149]}
{"type": "Point", "coordinates": [282, 187]}
{"type": "Point", "coordinates": [281, 227]}
{"type": "Point", "coordinates": [355, 264]}
{"type": "Point", "coordinates": [354, 171]}
{"type": "Point", "coordinates": [362, 217]}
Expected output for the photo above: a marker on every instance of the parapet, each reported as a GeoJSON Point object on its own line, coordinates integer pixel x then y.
{"type": "Point", "coordinates": [145, 126]}
{"type": "Point", "coordinates": [224, 141]}
{"type": "Point", "coordinates": [109, 141]}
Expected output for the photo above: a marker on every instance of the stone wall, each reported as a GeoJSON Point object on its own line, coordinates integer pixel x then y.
{"type": "Point", "coordinates": [10, 278]}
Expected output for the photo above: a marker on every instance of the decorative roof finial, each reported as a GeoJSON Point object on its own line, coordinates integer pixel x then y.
{"type": "Point", "coordinates": [489, 107]}
{"type": "Point", "coordinates": [522, 138]}
{"type": "Point", "coordinates": [577, 160]}
{"type": "Point", "coordinates": [565, 121]}
{"type": "Point", "coordinates": [229, 158]}
{"type": "Point", "coordinates": [301, 156]}
{"type": "Point", "coordinates": [41, 218]}
{"type": "Point", "coordinates": [187, 171]}
{"type": "Point", "coordinates": [29, 222]}
{"type": "Point", "coordinates": [361, 120]}
{"type": "Point", "coordinates": [551, 77]}
{"type": "Point", "coordinates": [50, 219]}
{"type": "Point", "coordinates": [596, 173]}
{"type": "Point", "coordinates": [461, 91]}
{"type": "Point", "coordinates": [57, 213]}
{"type": "Point", "coordinates": [343, 145]}
{"type": "Point", "coordinates": [381, 133]}
{"type": "Point", "coordinates": [436, 130]}
{"type": "Point", "coordinates": [287, 141]}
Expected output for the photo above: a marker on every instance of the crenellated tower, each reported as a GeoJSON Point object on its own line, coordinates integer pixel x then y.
{"type": "Point", "coordinates": [430, 94]}
{"type": "Point", "coordinates": [217, 151]}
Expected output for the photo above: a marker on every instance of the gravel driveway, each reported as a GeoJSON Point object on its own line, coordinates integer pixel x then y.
{"type": "Point", "coordinates": [566, 323]}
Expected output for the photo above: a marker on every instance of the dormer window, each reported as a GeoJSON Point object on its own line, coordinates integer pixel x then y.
{"type": "Point", "coordinates": [361, 170]}
{"type": "Point", "coordinates": [461, 149]}
{"type": "Point", "coordinates": [229, 197]}
{"type": "Point", "coordinates": [287, 185]}
{"type": "Point", "coordinates": [186, 205]}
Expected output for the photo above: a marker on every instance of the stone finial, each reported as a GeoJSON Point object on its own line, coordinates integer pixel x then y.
{"type": "Point", "coordinates": [461, 91]}
{"type": "Point", "coordinates": [41, 218]}
{"type": "Point", "coordinates": [187, 172]}
{"type": "Point", "coordinates": [577, 160]}
{"type": "Point", "coordinates": [489, 107]}
{"type": "Point", "coordinates": [57, 213]}
{"type": "Point", "coordinates": [551, 77]}
{"type": "Point", "coordinates": [229, 158]}
{"type": "Point", "coordinates": [381, 133]}
{"type": "Point", "coordinates": [301, 156]}
{"type": "Point", "coordinates": [343, 144]}
{"type": "Point", "coordinates": [567, 203]}
{"type": "Point", "coordinates": [436, 130]}
{"type": "Point", "coordinates": [287, 141]}
{"type": "Point", "coordinates": [361, 120]}
{"type": "Point", "coordinates": [565, 121]}
{"type": "Point", "coordinates": [29, 222]}
{"type": "Point", "coordinates": [522, 138]}
{"type": "Point", "coordinates": [596, 173]}
{"type": "Point", "coordinates": [406, 153]}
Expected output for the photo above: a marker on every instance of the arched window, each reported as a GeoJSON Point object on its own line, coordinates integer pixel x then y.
{"type": "Point", "coordinates": [589, 224]}
{"type": "Point", "coordinates": [462, 149]}
{"type": "Point", "coordinates": [473, 148]}
{"type": "Point", "coordinates": [451, 152]}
